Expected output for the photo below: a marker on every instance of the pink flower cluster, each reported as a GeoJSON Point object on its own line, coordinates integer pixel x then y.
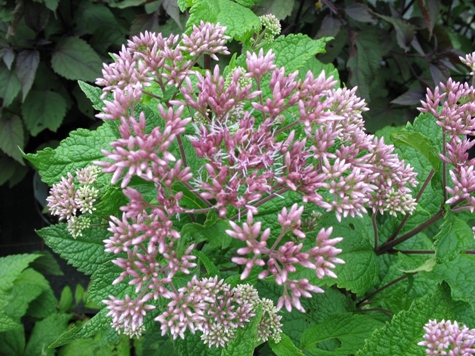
{"type": "Point", "coordinates": [453, 105]}
{"type": "Point", "coordinates": [447, 338]}
{"type": "Point", "coordinates": [258, 133]}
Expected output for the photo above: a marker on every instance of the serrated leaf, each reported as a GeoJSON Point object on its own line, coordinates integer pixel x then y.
{"type": "Point", "coordinates": [86, 252]}
{"type": "Point", "coordinates": [79, 150]}
{"type": "Point", "coordinates": [73, 58]}
{"type": "Point", "coordinates": [459, 275]}
{"type": "Point", "coordinates": [94, 16]}
{"type": "Point", "coordinates": [349, 329]}
{"type": "Point", "coordinates": [285, 347]}
{"type": "Point", "coordinates": [193, 345]}
{"type": "Point", "coordinates": [90, 328]}
{"type": "Point", "coordinates": [279, 8]}
{"type": "Point", "coordinates": [294, 50]}
{"type": "Point", "coordinates": [361, 269]}
{"type": "Point", "coordinates": [12, 266]}
{"type": "Point", "coordinates": [184, 4]}
{"type": "Point", "coordinates": [401, 335]}
{"type": "Point", "coordinates": [29, 285]}
{"type": "Point", "coordinates": [455, 237]}
{"type": "Point", "coordinates": [101, 284]}
{"type": "Point", "coordinates": [238, 19]}
{"type": "Point", "coordinates": [11, 136]}
{"type": "Point", "coordinates": [45, 332]}
{"type": "Point", "coordinates": [247, 3]}
{"type": "Point", "coordinates": [93, 93]}
{"type": "Point", "coordinates": [421, 143]}
{"type": "Point", "coordinates": [25, 66]}
{"type": "Point", "coordinates": [13, 342]}
{"type": "Point", "coordinates": [9, 86]}
{"type": "Point", "coordinates": [43, 110]}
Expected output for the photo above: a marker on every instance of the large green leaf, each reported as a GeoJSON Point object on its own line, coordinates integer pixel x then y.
{"type": "Point", "coordinates": [238, 19]}
{"type": "Point", "coordinates": [245, 341]}
{"type": "Point", "coordinates": [11, 136]}
{"type": "Point", "coordinates": [285, 347]}
{"type": "Point", "coordinates": [79, 150]}
{"type": "Point", "coordinates": [349, 329]}
{"type": "Point", "coordinates": [73, 58]}
{"type": "Point", "coordinates": [45, 332]}
{"type": "Point", "coordinates": [43, 110]}
{"type": "Point", "coordinates": [401, 335]}
{"type": "Point", "coordinates": [86, 252]}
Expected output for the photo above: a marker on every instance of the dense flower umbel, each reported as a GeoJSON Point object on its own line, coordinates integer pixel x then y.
{"type": "Point", "coordinates": [447, 338]}
{"type": "Point", "coordinates": [66, 199]}
{"type": "Point", "coordinates": [453, 105]}
{"type": "Point", "coordinates": [258, 134]}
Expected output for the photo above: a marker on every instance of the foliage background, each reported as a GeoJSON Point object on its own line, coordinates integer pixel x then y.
{"type": "Point", "coordinates": [391, 50]}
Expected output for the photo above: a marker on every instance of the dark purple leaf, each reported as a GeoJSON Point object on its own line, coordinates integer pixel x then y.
{"type": "Point", "coordinates": [36, 15]}
{"type": "Point", "coordinates": [329, 28]}
{"type": "Point", "coordinates": [11, 137]}
{"type": "Point", "coordinates": [359, 12]}
{"type": "Point", "coordinates": [438, 75]}
{"type": "Point", "coordinates": [25, 66]}
{"type": "Point", "coordinates": [8, 56]}
{"type": "Point", "coordinates": [171, 7]}
{"type": "Point", "coordinates": [410, 97]}
{"type": "Point", "coordinates": [143, 23]}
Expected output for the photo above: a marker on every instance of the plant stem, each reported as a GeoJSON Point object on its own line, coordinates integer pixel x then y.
{"type": "Point", "coordinates": [406, 217]}
{"type": "Point", "coordinates": [380, 290]}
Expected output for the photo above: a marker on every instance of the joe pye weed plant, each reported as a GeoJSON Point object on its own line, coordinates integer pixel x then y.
{"type": "Point", "coordinates": [242, 208]}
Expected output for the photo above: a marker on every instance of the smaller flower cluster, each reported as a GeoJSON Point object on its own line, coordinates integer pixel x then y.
{"type": "Point", "coordinates": [67, 200]}
{"type": "Point", "coordinates": [216, 310]}
{"type": "Point", "coordinates": [447, 338]}
{"type": "Point", "coordinates": [280, 260]}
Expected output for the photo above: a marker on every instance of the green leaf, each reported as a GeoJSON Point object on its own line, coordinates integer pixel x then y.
{"type": "Point", "coordinates": [459, 275]}
{"type": "Point", "coordinates": [364, 62]}
{"type": "Point", "coordinates": [45, 332]}
{"type": "Point", "coordinates": [238, 19]}
{"type": "Point", "coordinates": [211, 268]}
{"type": "Point", "coordinates": [349, 329]}
{"type": "Point", "coordinates": [79, 294]}
{"type": "Point", "coordinates": [79, 150]}
{"type": "Point", "coordinates": [52, 4]}
{"type": "Point", "coordinates": [455, 236]}
{"type": "Point", "coordinates": [9, 86]}
{"type": "Point", "coordinates": [97, 347]}
{"type": "Point", "coordinates": [43, 110]}
{"type": "Point", "coordinates": [73, 58]}
{"type": "Point", "coordinates": [405, 31]}
{"type": "Point", "coordinates": [91, 17]}
{"type": "Point", "coordinates": [90, 328]}
{"type": "Point", "coordinates": [11, 136]}
{"type": "Point", "coordinates": [101, 285]}
{"type": "Point", "coordinates": [13, 342]}
{"type": "Point", "coordinates": [29, 285]}
{"type": "Point", "coordinates": [247, 3]}
{"type": "Point", "coordinates": [419, 142]}
{"type": "Point", "coordinates": [244, 342]}
{"type": "Point", "coordinates": [279, 8]}
{"type": "Point", "coordinates": [193, 345]}
{"type": "Point", "coordinates": [86, 252]}
{"type": "Point", "coordinates": [47, 264]}
{"type": "Point", "coordinates": [184, 4]}
{"type": "Point", "coordinates": [316, 67]}
{"type": "Point", "coordinates": [26, 65]}
{"type": "Point", "coordinates": [66, 299]}
{"type": "Point", "coordinates": [93, 93]}
{"type": "Point", "coordinates": [401, 335]}
{"type": "Point", "coordinates": [361, 269]}
{"type": "Point", "coordinates": [213, 231]}
{"type": "Point", "coordinates": [285, 347]}
{"type": "Point", "coordinates": [293, 51]}
{"type": "Point", "coordinates": [12, 266]}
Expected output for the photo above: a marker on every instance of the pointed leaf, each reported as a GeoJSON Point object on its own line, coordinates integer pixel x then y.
{"type": "Point", "coordinates": [359, 12]}
{"type": "Point", "coordinates": [401, 335]}
{"type": "Point", "coordinates": [11, 136]}
{"type": "Point", "coordinates": [279, 8]}
{"type": "Point", "coordinates": [285, 347]}
{"type": "Point", "coordinates": [43, 110]}
{"type": "Point", "coordinates": [73, 58]}
{"type": "Point", "coordinates": [9, 86]}
{"type": "Point", "coordinates": [8, 55]}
